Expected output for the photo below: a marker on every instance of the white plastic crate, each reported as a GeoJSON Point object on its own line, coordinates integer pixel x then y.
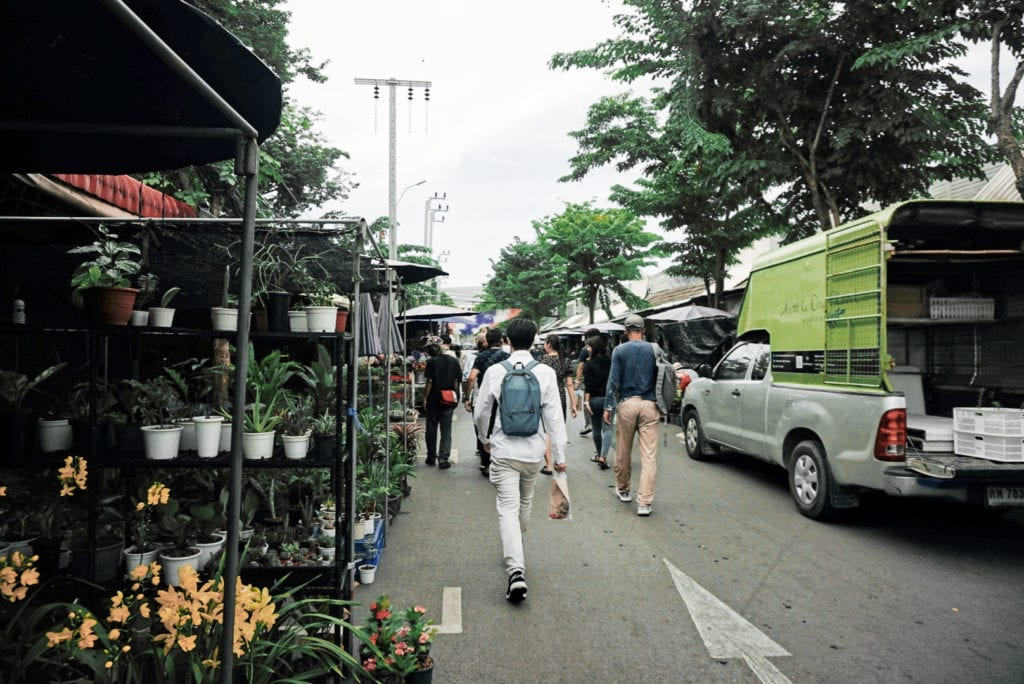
{"type": "Point", "coordinates": [998, 422]}
{"type": "Point", "coordinates": [990, 447]}
{"type": "Point", "coordinates": [962, 307]}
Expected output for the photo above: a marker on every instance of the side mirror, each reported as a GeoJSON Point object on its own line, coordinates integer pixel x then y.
{"type": "Point", "coordinates": [704, 370]}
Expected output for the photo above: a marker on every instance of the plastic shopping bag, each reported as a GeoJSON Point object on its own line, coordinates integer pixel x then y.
{"type": "Point", "coordinates": [558, 505]}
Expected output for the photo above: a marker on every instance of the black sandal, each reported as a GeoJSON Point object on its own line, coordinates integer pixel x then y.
{"type": "Point", "coordinates": [602, 462]}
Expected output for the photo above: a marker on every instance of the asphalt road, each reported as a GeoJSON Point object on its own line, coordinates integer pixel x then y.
{"type": "Point", "coordinates": [899, 591]}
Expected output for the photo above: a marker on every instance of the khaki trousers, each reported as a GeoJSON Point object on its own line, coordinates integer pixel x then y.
{"type": "Point", "coordinates": [637, 416]}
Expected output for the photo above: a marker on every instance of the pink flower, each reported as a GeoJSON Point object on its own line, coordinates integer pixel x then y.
{"type": "Point", "coordinates": [420, 609]}
{"type": "Point", "coordinates": [424, 638]}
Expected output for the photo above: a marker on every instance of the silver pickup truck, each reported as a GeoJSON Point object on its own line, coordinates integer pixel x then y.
{"type": "Point", "coordinates": [834, 444]}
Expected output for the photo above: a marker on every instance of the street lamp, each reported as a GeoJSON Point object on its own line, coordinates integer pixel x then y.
{"type": "Point", "coordinates": [393, 223]}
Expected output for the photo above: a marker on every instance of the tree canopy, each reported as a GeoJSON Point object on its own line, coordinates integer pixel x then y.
{"type": "Point", "coordinates": [765, 117]}
{"type": "Point", "coordinates": [583, 253]}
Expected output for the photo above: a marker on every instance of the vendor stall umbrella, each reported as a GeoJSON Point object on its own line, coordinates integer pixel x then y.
{"type": "Point", "coordinates": [690, 312]}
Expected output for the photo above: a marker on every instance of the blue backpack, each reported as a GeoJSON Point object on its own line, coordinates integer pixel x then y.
{"type": "Point", "coordinates": [519, 402]}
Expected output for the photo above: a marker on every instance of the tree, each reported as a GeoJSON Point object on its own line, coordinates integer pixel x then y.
{"type": "Point", "coordinates": [525, 279]}
{"type": "Point", "coordinates": [426, 292]}
{"type": "Point", "coordinates": [297, 169]}
{"type": "Point", "coordinates": [594, 251]}
{"type": "Point", "coordinates": [777, 86]}
{"type": "Point", "coordinates": [1001, 25]}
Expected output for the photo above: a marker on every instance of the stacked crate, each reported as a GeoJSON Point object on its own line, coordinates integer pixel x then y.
{"type": "Point", "coordinates": [996, 434]}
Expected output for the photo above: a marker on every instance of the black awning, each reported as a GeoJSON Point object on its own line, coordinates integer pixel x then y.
{"type": "Point", "coordinates": [79, 87]}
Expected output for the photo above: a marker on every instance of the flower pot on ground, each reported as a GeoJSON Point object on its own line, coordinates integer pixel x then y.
{"type": "Point", "coordinates": [160, 442]}
{"type": "Point", "coordinates": [297, 321]}
{"type": "Point", "coordinates": [208, 435]}
{"type": "Point", "coordinates": [54, 435]}
{"type": "Point", "coordinates": [367, 573]}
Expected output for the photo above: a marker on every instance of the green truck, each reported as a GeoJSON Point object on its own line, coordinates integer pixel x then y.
{"type": "Point", "coordinates": [886, 354]}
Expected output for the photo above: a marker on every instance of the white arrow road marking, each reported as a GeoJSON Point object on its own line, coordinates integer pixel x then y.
{"type": "Point", "coordinates": [451, 611]}
{"type": "Point", "coordinates": [727, 634]}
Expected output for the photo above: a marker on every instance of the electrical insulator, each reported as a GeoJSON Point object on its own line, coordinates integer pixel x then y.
{"type": "Point", "coordinates": [426, 94]}
{"type": "Point", "coordinates": [410, 92]}
{"type": "Point", "coordinates": [376, 92]}
{"type": "Point", "coordinates": [18, 317]}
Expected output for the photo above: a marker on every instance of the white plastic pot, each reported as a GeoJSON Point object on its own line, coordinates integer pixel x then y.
{"type": "Point", "coordinates": [161, 317]}
{"type": "Point", "coordinates": [297, 321]}
{"type": "Point", "coordinates": [258, 445]}
{"type": "Point", "coordinates": [295, 446]}
{"type": "Point", "coordinates": [161, 442]}
{"type": "Point", "coordinates": [54, 435]}
{"type": "Point", "coordinates": [321, 318]}
{"type": "Point", "coordinates": [208, 435]}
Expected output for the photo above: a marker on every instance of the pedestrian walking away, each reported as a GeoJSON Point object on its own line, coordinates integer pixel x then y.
{"type": "Point", "coordinates": [442, 373]}
{"type": "Point", "coordinates": [595, 377]}
{"type": "Point", "coordinates": [581, 363]}
{"type": "Point", "coordinates": [630, 392]}
{"type": "Point", "coordinates": [516, 459]}
{"type": "Point", "coordinates": [491, 354]}
{"type": "Point", "coordinates": [563, 373]}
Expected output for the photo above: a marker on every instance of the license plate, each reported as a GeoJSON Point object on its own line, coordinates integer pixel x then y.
{"type": "Point", "coordinates": [1005, 496]}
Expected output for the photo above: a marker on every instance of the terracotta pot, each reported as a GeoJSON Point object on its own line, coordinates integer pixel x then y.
{"type": "Point", "coordinates": [110, 305]}
{"type": "Point", "coordinates": [341, 320]}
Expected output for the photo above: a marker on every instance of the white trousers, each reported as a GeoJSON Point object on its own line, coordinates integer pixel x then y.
{"type": "Point", "coordinates": [513, 482]}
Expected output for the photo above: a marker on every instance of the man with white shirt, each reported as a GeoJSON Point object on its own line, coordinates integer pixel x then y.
{"type": "Point", "coordinates": [516, 461]}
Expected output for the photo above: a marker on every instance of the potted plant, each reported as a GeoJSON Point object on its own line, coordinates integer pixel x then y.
{"type": "Point", "coordinates": [289, 551]}
{"type": "Point", "coordinates": [295, 425]}
{"type": "Point", "coordinates": [163, 316]}
{"type": "Point", "coordinates": [103, 282]}
{"type": "Point", "coordinates": [144, 548]}
{"type": "Point", "coordinates": [261, 420]}
{"type": "Point", "coordinates": [321, 313]}
{"type": "Point", "coordinates": [297, 318]}
{"type": "Point", "coordinates": [268, 375]}
{"type": "Point", "coordinates": [225, 316]}
{"type": "Point", "coordinates": [161, 435]}
{"type": "Point", "coordinates": [207, 521]}
{"type": "Point", "coordinates": [324, 436]}
{"type": "Point", "coordinates": [55, 433]}
{"type": "Point", "coordinates": [321, 377]}
{"type": "Point", "coordinates": [399, 642]}
{"type": "Point", "coordinates": [176, 528]}
{"type": "Point", "coordinates": [325, 543]}
{"type": "Point", "coordinates": [147, 284]}
{"type": "Point", "coordinates": [17, 423]}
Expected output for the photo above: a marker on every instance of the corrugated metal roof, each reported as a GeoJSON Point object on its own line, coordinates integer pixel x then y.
{"type": "Point", "coordinates": [1002, 186]}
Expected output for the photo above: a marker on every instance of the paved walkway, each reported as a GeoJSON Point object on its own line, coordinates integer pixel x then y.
{"type": "Point", "coordinates": [584, 618]}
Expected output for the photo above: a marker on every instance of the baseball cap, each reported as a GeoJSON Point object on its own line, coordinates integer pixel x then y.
{"type": "Point", "coordinates": [634, 321]}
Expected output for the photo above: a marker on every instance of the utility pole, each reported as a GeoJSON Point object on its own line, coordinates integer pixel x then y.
{"type": "Point", "coordinates": [392, 83]}
{"type": "Point", "coordinates": [430, 211]}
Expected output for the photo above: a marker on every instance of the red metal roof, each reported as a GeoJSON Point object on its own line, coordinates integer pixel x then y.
{"type": "Point", "coordinates": [129, 194]}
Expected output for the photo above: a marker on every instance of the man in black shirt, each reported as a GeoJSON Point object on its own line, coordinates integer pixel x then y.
{"type": "Point", "coordinates": [490, 355]}
{"type": "Point", "coordinates": [442, 373]}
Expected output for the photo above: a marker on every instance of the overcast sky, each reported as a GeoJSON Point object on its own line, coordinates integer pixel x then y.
{"type": "Point", "coordinates": [493, 136]}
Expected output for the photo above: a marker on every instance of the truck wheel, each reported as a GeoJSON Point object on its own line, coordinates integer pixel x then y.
{"type": "Point", "coordinates": [696, 446]}
{"type": "Point", "coordinates": [809, 480]}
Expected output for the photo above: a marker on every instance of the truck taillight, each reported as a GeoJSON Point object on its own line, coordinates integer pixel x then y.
{"type": "Point", "coordinates": [891, 439]}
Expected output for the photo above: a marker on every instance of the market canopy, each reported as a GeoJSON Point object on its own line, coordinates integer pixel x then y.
{"type": "Point", "coordinates": [690, 312]}
{"type": "Point", "coordinates": [83, 88]}
{"type": "Point", "coordinates": [435, 312]}
{"type": "Point", "coordinates": [410, 273]}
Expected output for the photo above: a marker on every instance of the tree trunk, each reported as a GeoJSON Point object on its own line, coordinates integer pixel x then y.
{"type": "Point", "coordinates": [1001, 112]}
